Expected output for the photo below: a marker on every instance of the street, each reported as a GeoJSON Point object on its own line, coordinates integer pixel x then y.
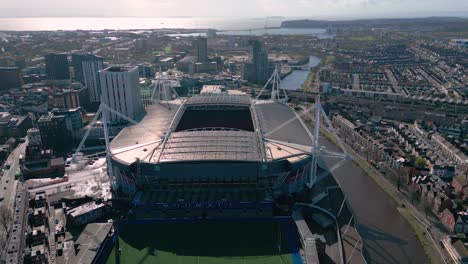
{"type": "Point", "coordinates": [8, 185]}
{"type": "Point", "coordinates": [7, 182]}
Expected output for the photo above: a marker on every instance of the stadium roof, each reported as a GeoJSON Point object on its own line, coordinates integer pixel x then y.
{"type": "Point", "coordinates": [215, 127]}
{"type": "Point", "coordinates": [219, 99]}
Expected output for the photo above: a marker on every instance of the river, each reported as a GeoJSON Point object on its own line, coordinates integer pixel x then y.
{"type": "Point", "coordinates": [387, 236]}
{"type": "Point", "coordinates": [296, 79]}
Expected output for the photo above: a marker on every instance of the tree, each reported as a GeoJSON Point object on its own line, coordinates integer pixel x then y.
{"type": "Point", "coordinates": [425, 206]}
{"type": "Point", "coordinates": [420, 162]}
{"type": "Point", "coordinates": [5, 217]}
{"type": "Point", "coordinates": [413, 193]}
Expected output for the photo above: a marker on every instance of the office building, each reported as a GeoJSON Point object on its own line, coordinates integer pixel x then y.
{"type": "Point", "coordinates": [10, 77]}
{"type": "Point", "coordinates": [78, 61]}
{"type": "Point", "coordinates": [260, 62]}
{"type": "Point", "coordinates": [141, 44]}
{"type": "Point", "coordinates": [34, 137]}
{"type": "Point", "coordinates": [200, 46]}
{"type": "Point", "coordinates": [145, 70]}
{"type": "Point", "coordinates": [14, 125]}
{"type": "Point", "coordinates": [121, 91]}
{"type": "Point", "coordinates": [247, 71]}
{"type": "Point", "coordinates": [91, 70]}
{"type": "Point", "coordinates": [57, 66]}
{"type": "Point", "coordinates": [60, 129]}
{"type": "Point", "coordinates": [54, 132]}
{"type": "Point", "coordinates": [74, 98]}
{"type": "Point", "coordinates": [73, 122]}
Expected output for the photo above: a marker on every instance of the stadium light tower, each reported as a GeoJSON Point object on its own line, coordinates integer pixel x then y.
{"type": "Point", "coordinates": [312, 177]}
{"type": "Point", "coordinates": [103, 114]}
{"type": "Point", "coordinates": [162, 90]}
{"type": "Point", "coordinates": [275, 82]}
{"type": "Point", "coordinates": [319, 152]}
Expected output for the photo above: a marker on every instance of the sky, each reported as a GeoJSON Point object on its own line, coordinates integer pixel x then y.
{"type": "Point", "coordinates": [332, 9]}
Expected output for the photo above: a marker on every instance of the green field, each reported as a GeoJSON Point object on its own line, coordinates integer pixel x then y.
{"type": "Point", "coordinates": [207, 243]}
{"type": "Point", "coordinates": [362, 38]}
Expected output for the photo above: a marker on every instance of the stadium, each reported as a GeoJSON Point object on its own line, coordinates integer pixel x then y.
{"type": "Point", "coordinates": [210, 179]}
{"type": "Point", "coordinates": [211, 155]}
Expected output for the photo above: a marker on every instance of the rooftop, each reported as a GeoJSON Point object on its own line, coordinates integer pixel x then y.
{"type": "Point", "coordinates": [90, 241]}
{"type": "Point", "coordinates": [85, 208]}
{"type": "Point", "coordinates": [120, 69]}
{"type": "Point", "coordinates": [210, 127]}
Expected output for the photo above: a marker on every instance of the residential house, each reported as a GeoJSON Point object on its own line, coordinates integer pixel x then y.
{"type": "Point", "coordinates": [460, 185]}
{"type": "Point", "coordinates": [448, 219]}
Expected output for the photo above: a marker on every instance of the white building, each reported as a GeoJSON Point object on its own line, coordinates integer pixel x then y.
{"type": "Point", "coordinates": [121, 91]}
{"type": "Point", "coordinates": [91, 70]}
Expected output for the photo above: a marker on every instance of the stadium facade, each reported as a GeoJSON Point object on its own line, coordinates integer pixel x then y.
{"type": "Point", "coordinates": [212, 155]}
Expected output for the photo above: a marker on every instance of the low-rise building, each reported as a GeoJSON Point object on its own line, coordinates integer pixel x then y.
{"type": "Point", "coordinates": [92, 242]}
{"type": "Point", "coordinates": [460, 185]}
{"type": "Point", "coordinates": [448, 219]}
{"type": "Point", "coordinates": [40, 162]}
{"type": "Point", "coordinates": [61, 129]}
{"type": "Point", "coordinates": [461, 224]}
{"type": "Point", "coordinates": [449, 149]}
{"type": "Point", "coordinates": [14, 125]}
{"type": "Point", "coordinates": [86, 213]}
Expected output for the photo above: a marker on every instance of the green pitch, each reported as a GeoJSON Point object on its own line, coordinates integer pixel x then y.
{"type": "Point", "coordinates": [207, 243]}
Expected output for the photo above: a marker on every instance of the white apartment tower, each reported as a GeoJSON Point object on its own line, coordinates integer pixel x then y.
{"type": "Point", "coordinates": [121, 91]}
{"type": "Point", "coordinates": [91, 70]}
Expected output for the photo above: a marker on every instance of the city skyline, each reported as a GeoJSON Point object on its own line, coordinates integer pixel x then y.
{"type": "Point", "coordinates": [329, 9]}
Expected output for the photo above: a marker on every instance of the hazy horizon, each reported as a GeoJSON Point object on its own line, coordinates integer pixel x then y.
{"type": "Point", "coordinates": [325, 9]}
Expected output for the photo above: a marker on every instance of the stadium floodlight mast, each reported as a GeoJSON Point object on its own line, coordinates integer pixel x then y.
{"type": "Point", "coordinates": [316, 151]}
{"type": "Point", "coordinates": [162, 90]}
{"type": "Point", "coordinates": [275, 82]}
{"type": "Point", "coordinates": [104, 112]}
{"type": "Point", "coordinates": [320, 152]}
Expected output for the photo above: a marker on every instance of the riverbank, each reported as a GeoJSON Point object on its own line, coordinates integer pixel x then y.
{"type": "Point", "coordinates": [403, 207]}
{"type": "Point", "coordinates": [295, 79]}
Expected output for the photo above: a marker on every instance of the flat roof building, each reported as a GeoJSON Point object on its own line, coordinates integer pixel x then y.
{"type": "Point", "coordinates": [121, 91]}
{"type": "Point", "coordinates": [57, 66]}
{"type": "Point", "coordinates": [10, 77]}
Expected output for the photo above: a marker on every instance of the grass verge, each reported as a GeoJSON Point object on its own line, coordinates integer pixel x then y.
{"type": "Point", "coordinates": [309, 83]}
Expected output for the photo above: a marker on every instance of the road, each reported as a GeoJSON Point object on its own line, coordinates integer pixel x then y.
{"type": "Point", "coordinates": [7, 182]}
{"type": "Point", "coordinates": [387, 236]}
